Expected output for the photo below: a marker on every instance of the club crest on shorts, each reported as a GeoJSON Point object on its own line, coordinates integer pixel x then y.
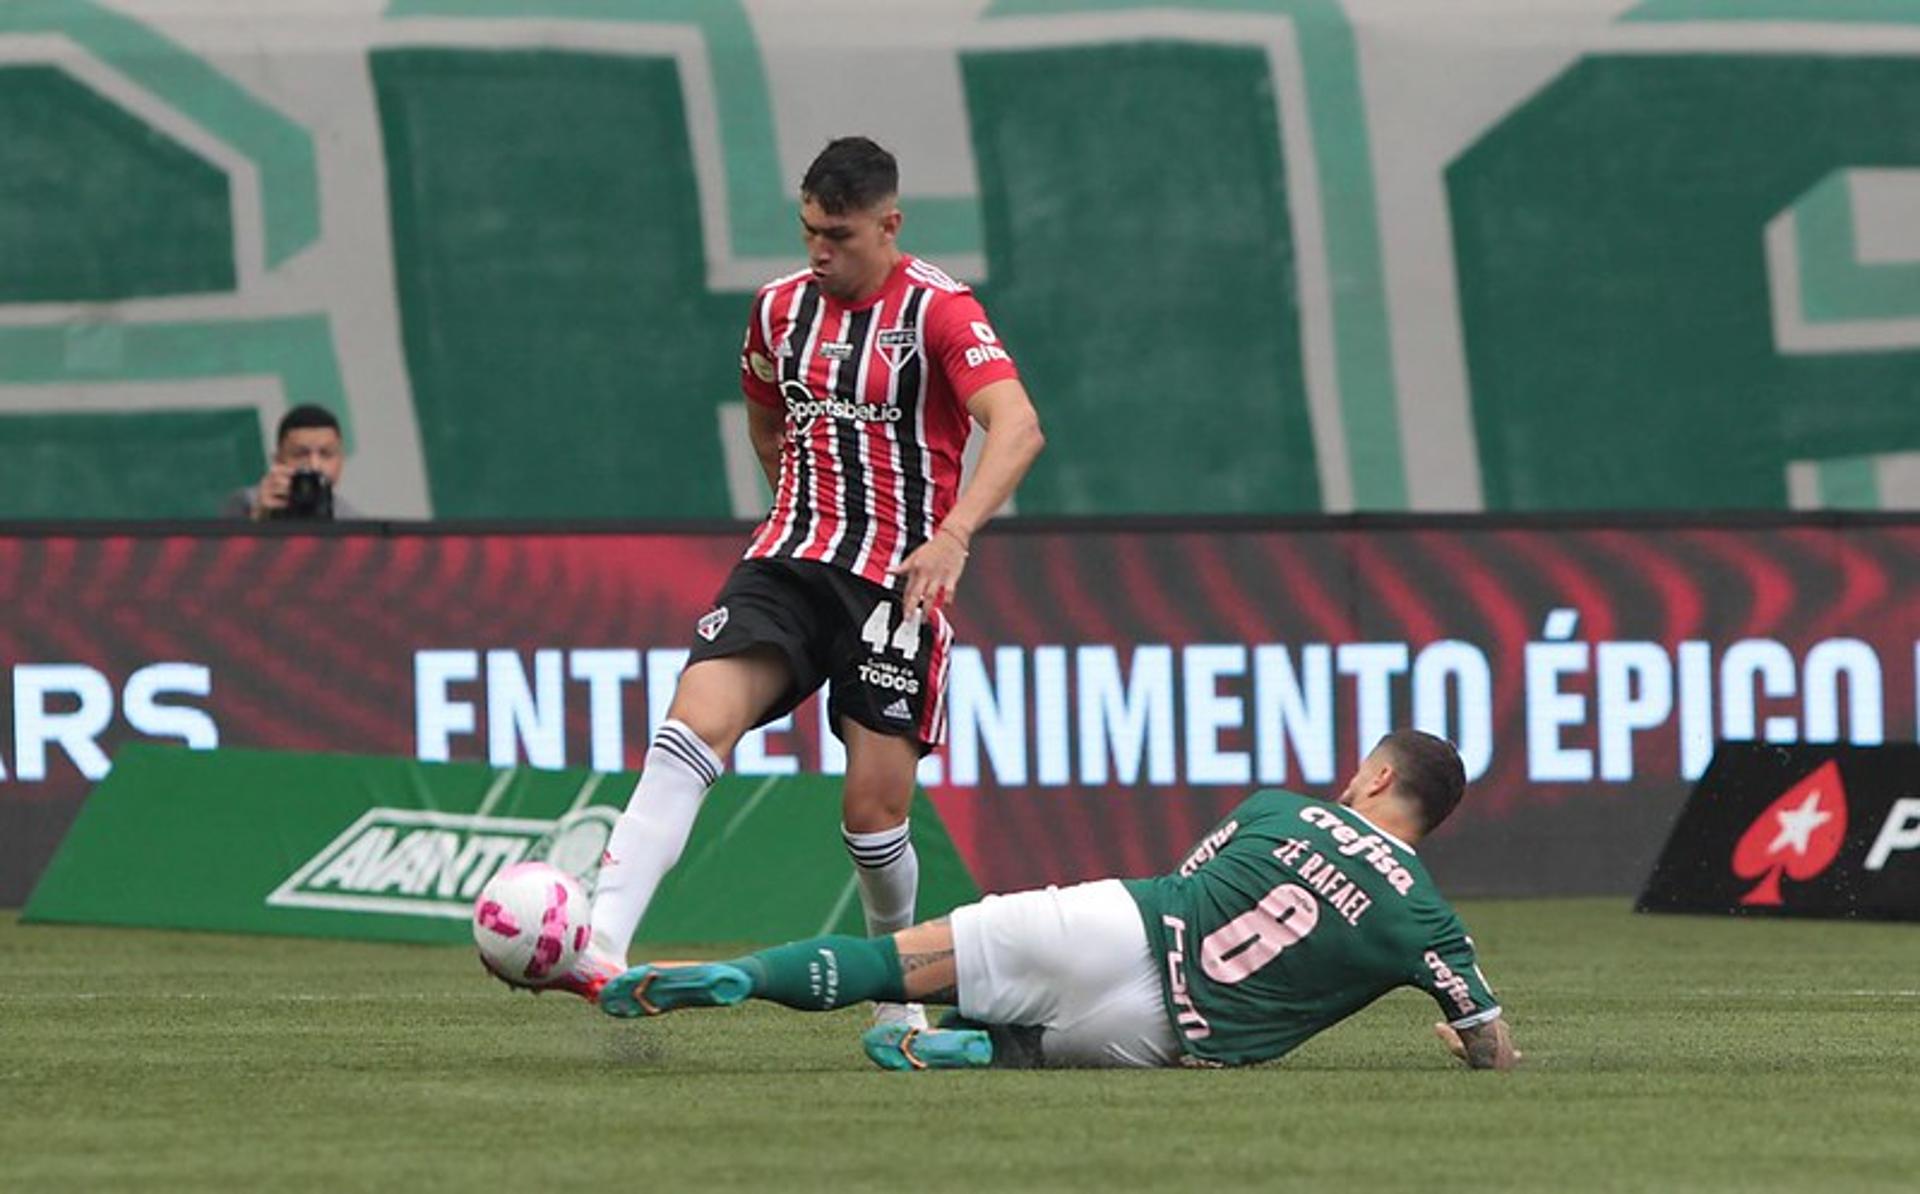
{"type": "Point", "coordinates": [711, 623]}
{"type": "Point", "coordinates": [897, 346]}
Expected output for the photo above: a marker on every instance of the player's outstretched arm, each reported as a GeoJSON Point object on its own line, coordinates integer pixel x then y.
{"type": "Point", "coordinates": [1014, 438]}
{"type": "Point", "coordinates": [1486, 1046]}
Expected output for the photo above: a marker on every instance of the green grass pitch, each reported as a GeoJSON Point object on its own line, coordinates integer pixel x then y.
{"type": "Point", "coordinates": [1661, 1054]}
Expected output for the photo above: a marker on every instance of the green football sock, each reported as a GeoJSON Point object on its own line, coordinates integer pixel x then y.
{"type": "Point", "coordinates": [823, 973]}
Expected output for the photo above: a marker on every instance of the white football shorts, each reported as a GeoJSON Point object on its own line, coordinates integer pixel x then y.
{"type": "Point", "coordinates": [1072, 961]}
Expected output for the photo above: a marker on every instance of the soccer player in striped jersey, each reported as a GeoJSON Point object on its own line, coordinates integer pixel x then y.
{"type": "Point", "coordinates": [1290, 916]}
{"type": "Point", "coordinates": [863, 373]}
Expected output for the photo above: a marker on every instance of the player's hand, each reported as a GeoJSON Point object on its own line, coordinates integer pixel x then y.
{"type": "Point", "coordinates": [932, 572]}
{"type": "Point", "coordinates": [274, 488]}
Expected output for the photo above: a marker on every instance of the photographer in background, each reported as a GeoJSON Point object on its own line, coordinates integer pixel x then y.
{"type": "Point", "coordinates": [308, 457]}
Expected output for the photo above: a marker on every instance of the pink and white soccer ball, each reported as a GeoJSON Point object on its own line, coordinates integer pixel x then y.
{"type": "Point", "coordinates": [530, 922]}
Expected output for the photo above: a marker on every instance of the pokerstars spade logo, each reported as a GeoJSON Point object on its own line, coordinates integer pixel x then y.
{"type": "Point", "coordinates": [1798, 836]}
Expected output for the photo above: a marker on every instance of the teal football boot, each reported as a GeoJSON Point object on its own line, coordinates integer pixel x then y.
{"type": "Point", "coordinates": [902, 1047]}
{"type": "Point", "coordinates": [651, 990]}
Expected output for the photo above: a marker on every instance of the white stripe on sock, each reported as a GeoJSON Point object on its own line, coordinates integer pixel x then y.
{"type": "Point", "coordinates": [889, 874]}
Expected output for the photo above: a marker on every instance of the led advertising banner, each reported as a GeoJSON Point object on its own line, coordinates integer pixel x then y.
{"type": "Point", "coordinates": [1797, 831]}
{"type": "Point", "coordinates": [1113, 690]}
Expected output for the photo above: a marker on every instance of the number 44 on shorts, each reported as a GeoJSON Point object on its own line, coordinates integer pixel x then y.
{"type": "Point", "coordinates": [905, 637]}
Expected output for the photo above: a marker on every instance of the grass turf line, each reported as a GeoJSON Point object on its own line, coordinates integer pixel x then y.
{"type": "Point", "coordinates": [1662, 1053]}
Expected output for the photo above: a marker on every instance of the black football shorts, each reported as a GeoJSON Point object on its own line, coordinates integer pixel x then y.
{"type": "Point", "coordinates": [888, 674]}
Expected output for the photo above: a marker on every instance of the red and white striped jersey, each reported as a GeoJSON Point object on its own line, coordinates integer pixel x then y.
{"type": "Point", "coordinates": [875, 397]}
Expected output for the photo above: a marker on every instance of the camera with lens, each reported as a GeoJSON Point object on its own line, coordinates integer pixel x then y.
{"type": "Point", "coordinates": [309, 496]}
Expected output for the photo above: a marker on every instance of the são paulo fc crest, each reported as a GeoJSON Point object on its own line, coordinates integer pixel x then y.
{"type": "Point", "coordinates": [897, 346]}
{"type": "Point", "coordinates": [711, 623]}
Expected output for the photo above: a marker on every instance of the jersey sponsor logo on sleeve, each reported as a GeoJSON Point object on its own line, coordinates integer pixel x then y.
{"type": "Point", "coordinates": [711, 623]}
{"type": "Point", "coordinates": [1205, 851]}
{"type": "Point", "coordinates": [1450, 984]}
{"type": "Point", "coordinates": [989, 347]}
{"type": "Point", "coordinates": [761, 365]}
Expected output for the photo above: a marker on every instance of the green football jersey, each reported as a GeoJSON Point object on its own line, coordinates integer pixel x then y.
{"type": "Point", "coordinates": [1291, 916]}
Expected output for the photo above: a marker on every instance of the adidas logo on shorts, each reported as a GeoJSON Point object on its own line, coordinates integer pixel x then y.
{"type": "Point", "coordinates": [898, 710]}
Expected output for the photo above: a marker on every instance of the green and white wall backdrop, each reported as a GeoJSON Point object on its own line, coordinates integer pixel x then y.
{"type": "Point", "coordinates": [1253, 255]}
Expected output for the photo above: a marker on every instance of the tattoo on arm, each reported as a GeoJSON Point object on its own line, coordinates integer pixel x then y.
{"type": "Point", "coordinates": [909, 963]}
{"type": "Point", "coordinates": [927, 964]}
{"type": "Point", "coordinates": [1488, 1046]}
{"type": "Point", "coordinates": [912, 962]}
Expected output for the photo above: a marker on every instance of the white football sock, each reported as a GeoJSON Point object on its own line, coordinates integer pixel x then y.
{"type": "Point", "coordinates": [647, 839]}
{"type": "Point", "coordinates": [889, 873]}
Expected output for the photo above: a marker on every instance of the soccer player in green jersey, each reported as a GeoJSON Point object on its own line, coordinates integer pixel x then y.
{"type": "Point", "coordinates": [1290, 916]}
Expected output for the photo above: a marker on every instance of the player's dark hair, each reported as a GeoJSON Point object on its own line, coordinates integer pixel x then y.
{"type": "Point", "coordinates": [302, 417]}
{"type": "Point", "coordinates": [1428, 771]}
{"type": "Point", "coordinates": [851, 174]}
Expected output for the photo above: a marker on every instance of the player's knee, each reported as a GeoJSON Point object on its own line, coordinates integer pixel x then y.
{"type": "Point", "coordinates": [872, 807]}
{"type": "Point", "coordinates": [720, 732]}
{"type": "Point", "coordinates": [877, 820]}
{"type": "Point", "coordinates": [721, 699]}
